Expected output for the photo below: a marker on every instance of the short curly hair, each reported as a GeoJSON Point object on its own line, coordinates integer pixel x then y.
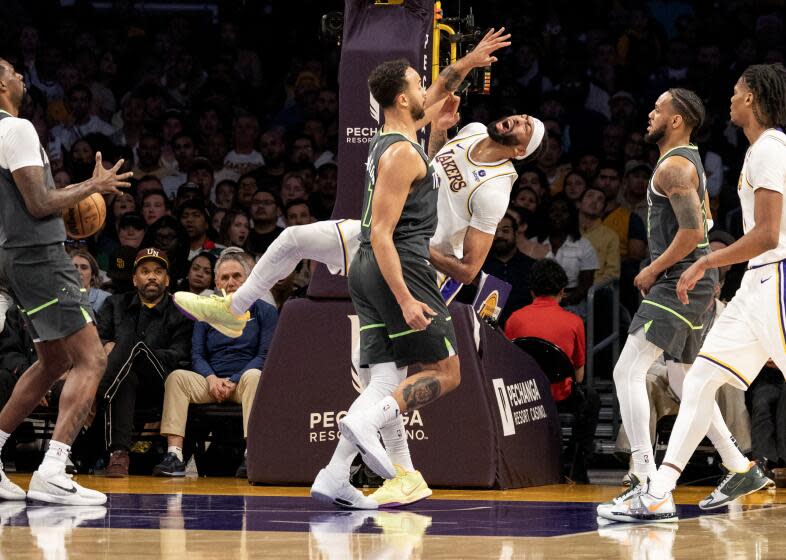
{"type": "Point", "coordinates": [388, 80]}
{"type": "Point", "coordinates": [547, 278]}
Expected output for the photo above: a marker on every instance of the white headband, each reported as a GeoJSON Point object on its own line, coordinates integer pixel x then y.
{"type": "Point", "coordinates": [538, 132]}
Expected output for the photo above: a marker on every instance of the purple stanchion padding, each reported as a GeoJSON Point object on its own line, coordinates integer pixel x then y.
{"type": "Point", "coordinates": [498, 429]}
{"type": "Point", "coordinates": [372, 34]}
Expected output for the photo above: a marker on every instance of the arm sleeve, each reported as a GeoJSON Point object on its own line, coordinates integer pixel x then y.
{"type": "Point", "coordinates": [490, 202]}
{"type": "Point", "coordinates": [588, 260]}
{"type": "Point", "coordinates": [199, 350]}
{"type": "Point", "coordinates": [766, 168]}
{"type": "Point", "coordinates": [636, 229]}
{"type": "Point", "coordinates": [268, 318]}
{"type": "Point", "coordinates": [21, 147]}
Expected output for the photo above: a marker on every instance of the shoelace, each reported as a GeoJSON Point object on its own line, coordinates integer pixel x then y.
{"type": "Point", "coordinates": [723, 482]}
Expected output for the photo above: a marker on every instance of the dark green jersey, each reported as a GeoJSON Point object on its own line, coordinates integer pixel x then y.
{"type": "Point", "coordinates": [418, 220]}
{"type": "Point", "coordinates": [662, 223]}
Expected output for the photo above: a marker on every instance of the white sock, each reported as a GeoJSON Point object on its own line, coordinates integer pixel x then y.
{"type": "Point", "coordinates": [692, 424]}
{"type": "Point", "coordinates": [394, 436]}
{"type": "Point", "coordinates": [312, 241]}
{"type": "Point", "coordinates": [178, 451]}
{"type": "Point", "coordinates": [382, 380]}
{"type": "Point", "coordinates": [3, 438]}
{"type": "Point", "coordinates": [382, 413]}
{"type": "Point", "coordinates": [55, 457]}
{"type": "Point", "coordinates": [630, 379]}
{"type": "Point", "coordinates": [719, 433]}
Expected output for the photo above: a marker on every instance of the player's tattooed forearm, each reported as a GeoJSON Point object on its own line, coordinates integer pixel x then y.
{"type": "Point", "coordinates": [452, 78]}
{"type": "Point", "coordinates": [436, 139]}
{"type": "Point", "coordinates": [421, 392]}
{"type": "Point", "coordinates": [686, 208]}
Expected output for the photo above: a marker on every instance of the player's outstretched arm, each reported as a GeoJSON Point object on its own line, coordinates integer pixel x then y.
{"type": "Point", "coordinates": [481, 56]}
{"type": "Point", "coordinates": [399, 167]}
{"type": "Point", "coordinates": [764, 236]}
{"type": "Point", "coordinates": [42, 202]}
{"type": "Point", "coordinates": [677, 179]}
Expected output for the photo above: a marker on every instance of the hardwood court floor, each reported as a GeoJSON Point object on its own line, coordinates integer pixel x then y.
{"type": "Point", "coordinates": [204, 518]}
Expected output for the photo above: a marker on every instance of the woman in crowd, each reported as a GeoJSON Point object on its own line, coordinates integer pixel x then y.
{"type": "Point", "coordinates": [89, 276]}
{"type": "Point", "coordinates": [199, 279]}
{"type": "Point", "coordinates": [235, 228]}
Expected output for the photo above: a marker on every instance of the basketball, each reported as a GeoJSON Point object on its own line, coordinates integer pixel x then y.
{"type": "Point", "coordinates": [85, 218]}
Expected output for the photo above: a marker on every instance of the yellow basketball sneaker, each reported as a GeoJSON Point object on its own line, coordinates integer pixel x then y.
{"type": "Point", "coordinates": [407, 487]}
{"type": "Point", "coordinates": [214, 310]}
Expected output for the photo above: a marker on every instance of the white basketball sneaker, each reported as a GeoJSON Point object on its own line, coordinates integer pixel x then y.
{"type": "Point", "coordinates": [59, 488]}
{"type": "Point", "coordinates": [9, 490]}
{"type": "Point", "coordinates": [331, 490]}
{"type": "Point", "coordinates": [365, 437]}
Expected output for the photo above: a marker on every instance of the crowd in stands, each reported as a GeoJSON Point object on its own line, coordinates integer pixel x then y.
{"type": "Point", "coordinates": [229, 123]}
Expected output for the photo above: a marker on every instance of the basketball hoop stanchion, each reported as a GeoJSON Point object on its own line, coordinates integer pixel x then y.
{"type": "Point", "coordinates": [437, 39]}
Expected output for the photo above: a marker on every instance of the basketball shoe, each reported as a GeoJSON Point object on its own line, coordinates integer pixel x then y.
{"type": "Point", "coordinates": [215, 310]}
{"type": "Point", "coordinates": [364, 436]}
{"type": "Point", "coordinates": [331, 490]}
{"type": "Point", "coordinates": [643, 507]}
{"type": "Point", "coordinates": [735, 485]}
{"type": "Point", "coordinates": [406, 488]}
{"type": "Point", "coordinates": [626, 495]}
{"type": "Point", "coordinates": [58, 488]}
{"type": "Point", "coordinates": [9, 490]}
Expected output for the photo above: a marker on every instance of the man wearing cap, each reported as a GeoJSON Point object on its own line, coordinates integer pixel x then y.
{"type": "Point", "coordinates": [145, 338]}
{"type": "Point", "coordinates": [634, 190]}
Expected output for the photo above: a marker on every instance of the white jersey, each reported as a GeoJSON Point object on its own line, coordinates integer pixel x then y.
{"type": "Point", "coordinates": [764, 167]}
{"type": "Point", "coordinates": [471, 193]}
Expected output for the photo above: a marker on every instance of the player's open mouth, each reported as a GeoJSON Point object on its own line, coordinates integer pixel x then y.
{"type": "Point", "coordinates": [505, 126]}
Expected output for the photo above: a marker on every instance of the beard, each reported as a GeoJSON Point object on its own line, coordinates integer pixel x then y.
{"type": "Point", "coordinates": [504, 138]}
{"type": "Point", "coordinates": [417, 112]}
{"type": "Point", "coordinates": [656, 135]}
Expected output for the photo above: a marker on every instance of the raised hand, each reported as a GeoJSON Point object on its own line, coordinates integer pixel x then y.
{"type": "Point", "coordinates": [482, 55]}
{"type": "Point", "coordinates": [107, 181]}
{"type": "Point", "coordinates": [448, 115]}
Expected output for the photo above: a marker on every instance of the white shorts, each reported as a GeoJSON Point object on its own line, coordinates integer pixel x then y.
{"type": "Point", "coordinates": [347, 234]}
{"type": "Point", "coordinates": [752, 328]}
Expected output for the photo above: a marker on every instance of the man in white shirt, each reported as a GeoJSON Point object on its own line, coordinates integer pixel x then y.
{"type": "Point", "coordinates": [78, 101]}
{"type": "Point", "coordinates": [244, 158]}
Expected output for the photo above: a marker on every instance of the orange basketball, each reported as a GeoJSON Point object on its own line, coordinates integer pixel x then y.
{"type": "Point", "coordinates": [86, 218]}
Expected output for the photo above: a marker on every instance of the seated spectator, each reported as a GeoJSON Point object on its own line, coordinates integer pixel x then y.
{"type": "Point", "coordinates": [545, 319]}
{"type": "Point", "coordinates": [199, 279]}
{"type": "Point", "coordinates": [574, 186]}
{"type": "Point", "coordinates": [145, 338]}
{"type": "Point", "coordinates": [634, 192]}
{"type": "Point", "coordinates": [323, 198]}
{"type": "Point", "coordinates": [154, 205]}
{"type": "Point", "coordinates": [196, 221]}
{"type": "Point", "coordinates": [603, 239]}
{"type": "Point", "coordinates": [169, 235]}
{"type": "Point", "coordinates": [292, 188]}
{"type": "Point", "coordinates": [146, 184]}
{"type": "Point", "coordinates": [507, 263]}
{"type": "Point", "coordinates": [264, 212]}
{"type": "Point", "coordinates": [226, 194]}
{"type": "Point", "coordinates": [188, 191]}
{"type": "Point", "coordinates": [535, 179]}
{"type": "Point", "coordinates": [235, 228]}
{"type": "Point", "coordinates": [201, 173]}
{"type": "Point", "coordinates": [629, 228]}
{"type": "Point", "coordinates": [82, 123]}
{"type": "Point", "coordinates": [526, 198]}
{"type": "Point", "coordinates": [87, 267]}
{"type": "Point", "coordinates": [577, 257]}
{"type": "Point", "coordinates": [148, 153]}
{"type": "Point", "coordinates": [184, 151]}
{"type": "Point", "coordinates": [526, 241]}
{"type": "Point", "coordinates": [225, 369]}
{"type": "Point", "coordinates": [243, 158]}
{"type": "Point", "coordinates": [216, 217]}
{"type": "Point", "coordinates": [131, 230]}
{"type": "Point", "coordinates": [297, 212]}
{"type": "Point", "coordinates": [247, 187]}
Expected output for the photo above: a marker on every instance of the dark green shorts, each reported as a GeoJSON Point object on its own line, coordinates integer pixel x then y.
{"type": "Point", "coordinates": [677, 329]}
{"type": "Point", "coordinates": [384, 334]}
{"type": "Point", "coordinates": [45, 285]}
